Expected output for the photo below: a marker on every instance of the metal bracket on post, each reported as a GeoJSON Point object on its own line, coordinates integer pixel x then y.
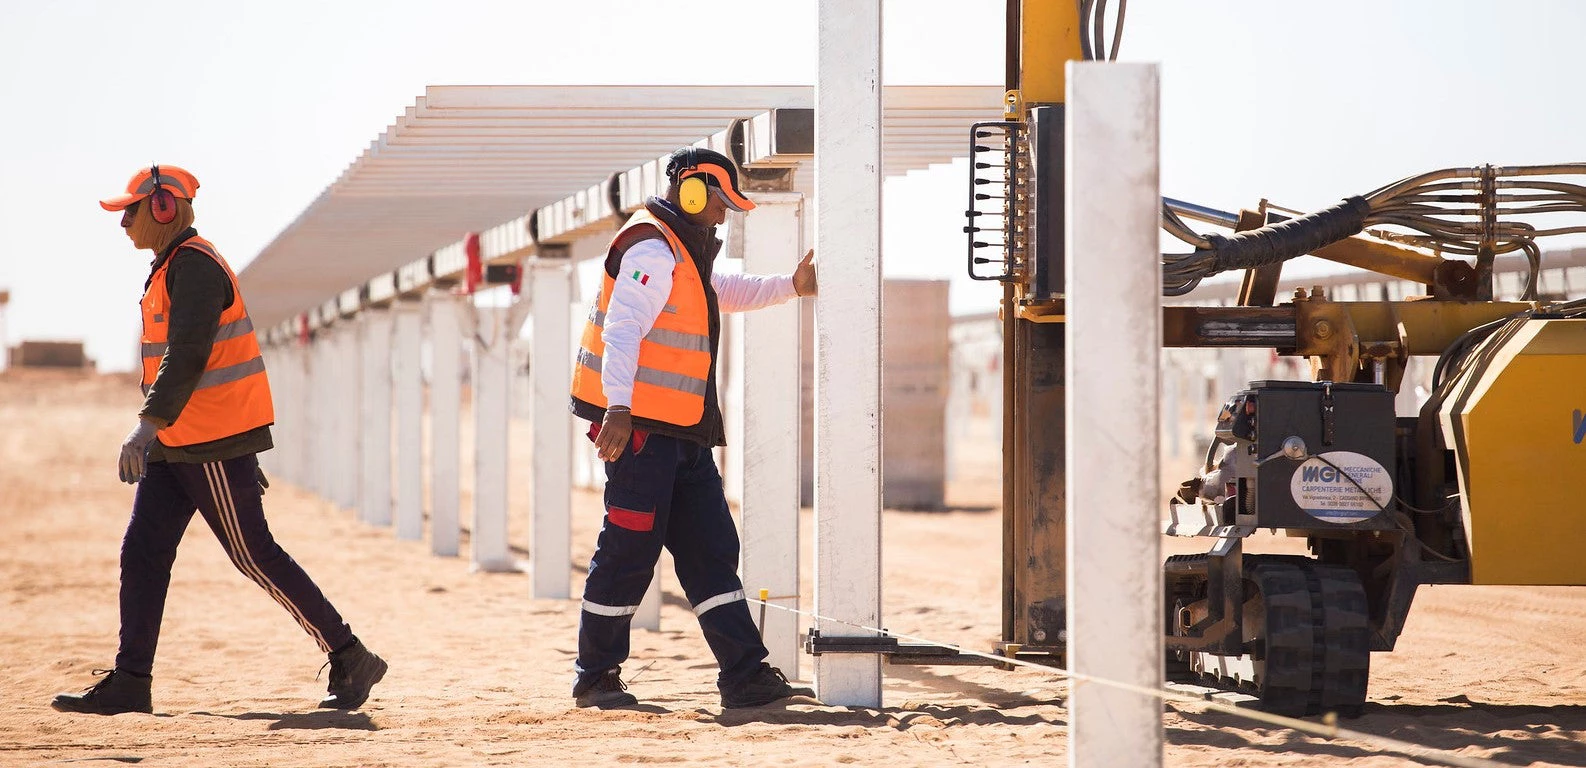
{"type": "Point", "coordinates": [893, 651]}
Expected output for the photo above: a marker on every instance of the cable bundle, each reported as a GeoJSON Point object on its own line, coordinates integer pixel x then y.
{"type": "Point", "coordinates": [1483, 211]}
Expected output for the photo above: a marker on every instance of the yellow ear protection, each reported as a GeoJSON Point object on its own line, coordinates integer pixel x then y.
{"type": "Point", "coordinates": [692, 193]}
{"type": "Point", "coordinates": [162, 204]}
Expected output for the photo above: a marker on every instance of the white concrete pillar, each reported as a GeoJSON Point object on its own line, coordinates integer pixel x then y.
{"type": "Point", "coordinates": [445, 409]}
{"type": "Point", "coordinates": [492, 363]}
{"type": "Point", "coordinates": [346, 361]}
{"type": "Point", "coordinates": [321, 440]}
{"type": "Point", "coordinates": [848, 344]}
{"type": "Point", "coordinates": [328, 446]}
{"type": "Point", "coordinates": [550, 548]}
{"type": "Point", "coordinates": [1172, 416]}
{"type": "Point", "coordinates": [274, 370]}
{"type": "Point", "coordinates": [351, 360]}
{"type": "Point", "coordinates": [730, 394]}
{"type": "Point", "coordinates": [768, 448]}
{"type": "Point", "coordinates": [289, 402]}
{"type": "Point", "coordinates": [288, 399]}
{"type": "Point", "coordinates": [374, 491]}
{"type": "Point", "coordinates": [299, 441]}
{"type": "Point", "coordinates": [1203, 399]}
{"type": "Point", "coordinates": [1113, 211]}
{"type": "Point", "coordinates": [409, 381]}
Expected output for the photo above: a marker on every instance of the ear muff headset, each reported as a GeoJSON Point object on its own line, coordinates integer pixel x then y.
{"type": "Point", "coordinates": [692, 194]}
{"type": "Point", "coordinates": [162, 204]}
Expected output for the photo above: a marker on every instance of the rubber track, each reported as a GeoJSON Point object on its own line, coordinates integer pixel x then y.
{"type": "Point", "coordinates": [1318, 656]}
{"type": "Point", "coordinates": [1343, 638]}
{"type": "Point", "coordinates": [1285, 686]}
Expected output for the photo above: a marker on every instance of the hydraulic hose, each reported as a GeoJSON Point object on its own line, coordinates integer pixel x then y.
{"type": "Point", "coordinates": [1288, 239]}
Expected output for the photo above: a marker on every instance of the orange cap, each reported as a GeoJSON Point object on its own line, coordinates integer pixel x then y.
{"type": "Point", "coordinates": [177, 180]}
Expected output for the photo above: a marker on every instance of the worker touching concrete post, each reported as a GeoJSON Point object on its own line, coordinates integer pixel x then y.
{"type": "Point", "coordinates": [645, 379]}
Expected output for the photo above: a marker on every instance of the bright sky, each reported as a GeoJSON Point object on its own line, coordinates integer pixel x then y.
{"type": "Point", "coordinates": [267, 102]}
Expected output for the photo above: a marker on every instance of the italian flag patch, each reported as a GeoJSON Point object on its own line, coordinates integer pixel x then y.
{"type": "Point", "coordinates": [641, 277]}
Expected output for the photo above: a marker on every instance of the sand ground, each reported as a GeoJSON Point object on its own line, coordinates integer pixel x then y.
{"type": "Point", "coordinates": [480, 671]}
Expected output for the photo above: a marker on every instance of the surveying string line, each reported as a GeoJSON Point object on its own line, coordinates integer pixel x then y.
{"type": "Point", "coordinates": [1327, 729]}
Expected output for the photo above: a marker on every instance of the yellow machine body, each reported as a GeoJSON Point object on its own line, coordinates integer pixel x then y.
{"type": "Point", "coordinates": [1517, 425]}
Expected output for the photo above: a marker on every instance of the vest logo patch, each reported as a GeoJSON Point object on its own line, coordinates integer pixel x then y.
{"type": "Point", "coordinates": [641, 277]}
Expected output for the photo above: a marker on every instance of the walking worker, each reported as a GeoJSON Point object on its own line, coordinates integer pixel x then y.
{"type": "Point", "coordinates": [646, 379]}
{"type": "Point", "coordinates": [206, 415]}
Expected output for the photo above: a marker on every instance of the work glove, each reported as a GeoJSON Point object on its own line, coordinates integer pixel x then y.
{"type": "Point", "coordinates": [135, 451]}
{"type": "Point", "coordinates": [264, 482]}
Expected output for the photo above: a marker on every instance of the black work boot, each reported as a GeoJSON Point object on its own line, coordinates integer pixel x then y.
{"type": "Point", "coordinates": [605, 691]}
{"type": "Point", "coordinates": [353, 671]}
{"type": "Point", "coordinates": [766, 685]}
{"type": "Point", "coordinates": [118, 692]}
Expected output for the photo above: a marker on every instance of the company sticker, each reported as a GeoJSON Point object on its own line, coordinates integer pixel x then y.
{"type": "Point", "coordinates": [1327, 494]}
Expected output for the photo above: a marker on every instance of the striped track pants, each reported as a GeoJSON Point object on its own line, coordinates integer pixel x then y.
{"type": "Point", "coordinates": [227, 494]}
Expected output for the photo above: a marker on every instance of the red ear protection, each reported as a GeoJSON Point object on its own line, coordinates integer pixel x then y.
{"type": "Point", "coordinates": [162, 204]}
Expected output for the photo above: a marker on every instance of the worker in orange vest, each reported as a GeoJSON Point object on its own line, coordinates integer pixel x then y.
{"type": "Point", "coordinates": [646, 380]}
{"type": "Point", "coordinates": [206, 415]}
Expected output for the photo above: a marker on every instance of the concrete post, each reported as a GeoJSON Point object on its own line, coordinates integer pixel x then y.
{"type": "Point", "coordinates": [649, 614]}
{"type": "Point", "coordinates": [446, 377]}
{"type": "Point", "coordinates": [1113, 209]}
{"type": "Point", "coordinates": [375, 477]}
{"type": "Point", "coordinates": [349, 385]}
{"type": "Point", "coordinates": [1172, 417]}
{"type": "Point", "coordinates": [848, 344]}
{"type": "Point", "coordinates": [296, 440]}
{"type": "Point", "coordinates": [409, 380]}
{"type": "Point", "coordinates": [769, 446]}
{"type": "Point", "coordinates": [550, 550]}
{"type": "Point", "coordinates": [322, 437]}
{"type": "Point", "coordinates": [492, 355]}
{"type": "Point", "coordinates": [288, 387]}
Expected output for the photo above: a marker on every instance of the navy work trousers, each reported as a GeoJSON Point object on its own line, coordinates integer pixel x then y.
{"type": "Point", "coordinates": [227, 494]}
{"type": "Point", "coordinates": [665, 491]}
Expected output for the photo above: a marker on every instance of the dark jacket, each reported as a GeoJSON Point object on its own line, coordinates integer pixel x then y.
{"type": "Point", "coordinates": [703, 246]}
{"type": "Point", "coordinates": [199, 291]}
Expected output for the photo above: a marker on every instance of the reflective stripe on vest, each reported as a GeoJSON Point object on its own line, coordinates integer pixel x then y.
{"type": "Point", "coordinates": [226, 331]}
{"type": "Point", "coordinates": [232, 395]}
{"type": "Point", "coordinates": [645, 375]}
{"type": "Point", "coordinates": [672, 375]}
{"type": "Point", "coordinates": [215, 377]}
{"type": "Point", "coordinates": [698, 342]}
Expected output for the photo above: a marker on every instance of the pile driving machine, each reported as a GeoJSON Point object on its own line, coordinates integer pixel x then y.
{"type": "Point", "coordinates": [1474, 489]}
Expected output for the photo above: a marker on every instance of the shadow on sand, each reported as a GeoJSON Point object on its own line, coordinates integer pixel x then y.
{"type": "Point", "coordinates": [931, 715]}
{"type": "Point", "coordinates": [1508, 734]}
{"type": "Point", "coordinates": [311, 721]}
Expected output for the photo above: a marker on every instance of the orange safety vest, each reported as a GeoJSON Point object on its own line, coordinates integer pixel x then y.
{"type": "Point", "coordinates": [674, 357]}
{"type": "Point", "coordinates": [233, 394]}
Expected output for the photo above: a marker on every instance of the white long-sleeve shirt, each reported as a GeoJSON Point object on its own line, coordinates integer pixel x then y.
{"type": "Point", "coordinates": [644, 281]}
